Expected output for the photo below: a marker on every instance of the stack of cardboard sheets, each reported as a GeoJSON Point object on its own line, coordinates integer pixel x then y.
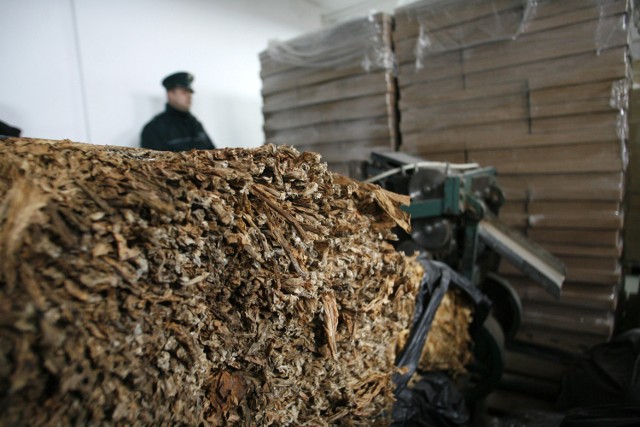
{"type": "Point", "coordinates": [632, 219]}
{"type": "Point", "coordinates": [538, 90]}
{"type": "Point", "coordinates": [333, 92]}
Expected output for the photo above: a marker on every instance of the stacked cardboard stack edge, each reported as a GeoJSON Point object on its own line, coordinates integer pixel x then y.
{"type": "Point", "coordinates": [545, 108]}
{"type": "Point", "coordinates": [342, 112]}
{"type": "Point", "coordinates": [632, 220]}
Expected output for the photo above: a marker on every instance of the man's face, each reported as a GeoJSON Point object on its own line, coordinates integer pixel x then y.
{"type": "Point", "coordinates": [179, 98]}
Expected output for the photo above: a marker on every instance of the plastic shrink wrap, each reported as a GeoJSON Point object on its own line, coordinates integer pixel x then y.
{"type": "Point", "coordinates": [333, 92]}
{"type": "Point", "coordinates": [540, 90]}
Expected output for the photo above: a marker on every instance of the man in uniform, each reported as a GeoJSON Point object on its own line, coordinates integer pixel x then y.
{"type": "Point", "coordinates": [176, 129]}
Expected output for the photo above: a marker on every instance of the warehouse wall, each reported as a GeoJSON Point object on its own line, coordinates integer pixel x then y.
{"type": "Point", "coordinates": [90, 70]}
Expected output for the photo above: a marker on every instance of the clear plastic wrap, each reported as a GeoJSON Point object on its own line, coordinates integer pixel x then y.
{"type": "Point", "coordinates": [357, 41]}
{"type": "Point", "coordinates": [539, 90]}
{"type": "Point", "coordinates": [449, 25]}
{"type": "Point", "coordinates": [520, 85]}
{"type": "Point", "coordinates": [605, 35]}
{"type": "Point", "coordinates": [620, 102]}
{"type": "Point", "coordinates": [471, 65]}
{"type": "Point", "coordinates": [333, 92]}
{"type": "Point", "coordinates": [508, 20]}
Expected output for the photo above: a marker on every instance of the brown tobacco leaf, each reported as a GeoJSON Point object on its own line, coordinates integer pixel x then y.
{"type": "Point", "coordinates": [330, 321]}
{"type": "Point", "coordinates": [225, 391]}
{"type": "Point", "coordinates": [387, 201]}
{"type": "Point", "coordinates": [390, 203]}
{"type": "Point", "coordinates": [20, 207]}
{"type": "Point", "coordinates": [447, 346]}
{"type": "Point", "coordinates": [220, 287]}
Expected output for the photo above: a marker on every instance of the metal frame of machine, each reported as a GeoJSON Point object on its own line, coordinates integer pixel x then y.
{"type": "Point", "coordinates": [454, 210]}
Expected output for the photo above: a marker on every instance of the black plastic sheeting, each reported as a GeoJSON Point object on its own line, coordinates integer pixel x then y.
{"type": "Point", "coordinates": [601, 388]}
{"type": "Point", "coordinates": [433, 400]}
{"type": "Point", "coordinates": [437, 280]}
{"type": "Point", "coordinates": [608, 373]}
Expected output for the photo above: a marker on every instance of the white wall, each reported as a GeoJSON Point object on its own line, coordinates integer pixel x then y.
{"type": "Point", "coordinates": [39, 90]}
{"type": "Point", "coordinates": [90, 70]}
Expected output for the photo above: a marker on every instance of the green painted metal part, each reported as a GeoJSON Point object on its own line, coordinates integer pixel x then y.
{"type": "Point", "coordinates": [457, 199]}
{"type": "Point", "coordinates": [468, 267]}
{"type": "Point", "coordinates": [448, 205]}
{"type": "Point", "coordinates": [425, 208]}
{"type": "Point", "coordinates": [451, 205]}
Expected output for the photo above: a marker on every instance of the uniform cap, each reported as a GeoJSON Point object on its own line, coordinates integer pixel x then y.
{"type": "Point", "coordinates": [180, 79]}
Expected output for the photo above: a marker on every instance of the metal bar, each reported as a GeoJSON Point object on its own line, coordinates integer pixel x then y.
{"type": "Point", "coordinates": [531, 259]}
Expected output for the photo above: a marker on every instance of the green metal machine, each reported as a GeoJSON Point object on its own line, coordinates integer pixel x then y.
{"type": "Point", "coordinates": [454, 212]}
{"type": "Point", "coordinates": [461, 194]}
{"type": "Point", "coordinates": [454, 218]}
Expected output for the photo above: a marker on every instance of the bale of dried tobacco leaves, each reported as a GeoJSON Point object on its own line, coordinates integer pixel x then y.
{"type": "Point", "coordinates": [247, 287]}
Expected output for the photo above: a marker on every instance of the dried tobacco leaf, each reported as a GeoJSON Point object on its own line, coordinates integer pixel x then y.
{"type": "Point", "coordinates": [447, 346]}
{"type": "Point", "coordinates": [223, 287]}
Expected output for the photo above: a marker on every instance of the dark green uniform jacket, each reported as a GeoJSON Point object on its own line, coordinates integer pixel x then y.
{"type": "Point", "coordinates": [175, 130]}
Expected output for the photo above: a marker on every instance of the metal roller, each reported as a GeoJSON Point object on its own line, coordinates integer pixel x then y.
{"type": "Point", "coordinates": [433, 234]}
